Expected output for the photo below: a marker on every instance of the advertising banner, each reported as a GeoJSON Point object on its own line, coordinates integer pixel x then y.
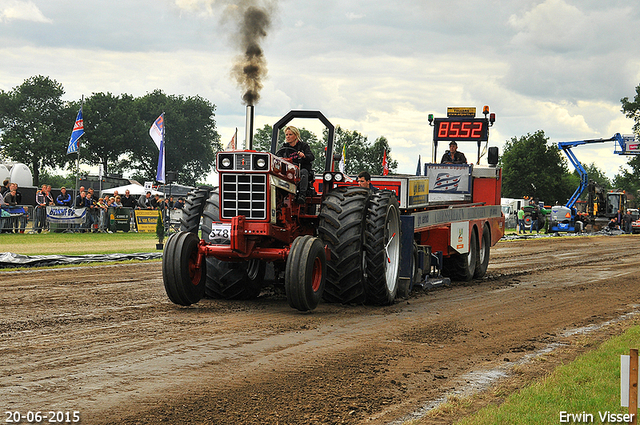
{"type": "Point", "coordinates": [449, 178]}
{"type": "Point", "coordinates": [146, 220]}
{"type": "Point", "coordinates": [66, 215]}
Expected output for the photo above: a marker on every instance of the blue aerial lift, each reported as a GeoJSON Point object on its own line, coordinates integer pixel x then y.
{"type": "Point", "coordinates": [563, 218]}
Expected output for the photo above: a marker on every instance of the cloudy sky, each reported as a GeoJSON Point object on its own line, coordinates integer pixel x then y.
{"type": "Point", "coordinates": [380, 68]}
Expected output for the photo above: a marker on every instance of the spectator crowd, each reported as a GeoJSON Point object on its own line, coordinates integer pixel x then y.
{"type": "Point", "coordinates": [15, 215]}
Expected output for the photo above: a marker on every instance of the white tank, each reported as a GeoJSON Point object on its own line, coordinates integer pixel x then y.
{"type": "Point", "coordinates": [21, 174]}
{"type": "Point", "coordinates": [4, 173]}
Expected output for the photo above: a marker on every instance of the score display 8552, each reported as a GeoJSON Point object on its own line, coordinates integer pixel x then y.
{"type": "Point", "coordinates": [461, 129]}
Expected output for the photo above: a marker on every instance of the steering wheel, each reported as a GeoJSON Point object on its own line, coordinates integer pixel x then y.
{"type": "Point", "coordinates": [285, 152]}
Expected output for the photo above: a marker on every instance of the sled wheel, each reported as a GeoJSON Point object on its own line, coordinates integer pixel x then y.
{"type": "Point", "coordinates": [305, 273]}
{"type": "Point", "coordinates": [461, 267]}
{"type": "Point", "coordinates": [184, 282]}
{"type": "Point", "coordinates": [483, 253]}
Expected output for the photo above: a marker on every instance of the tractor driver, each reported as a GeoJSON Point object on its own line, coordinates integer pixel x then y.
{"type": "Point", "coordinates": [299, 153]}
{"type": "Point", "coordinates": [453, 156]}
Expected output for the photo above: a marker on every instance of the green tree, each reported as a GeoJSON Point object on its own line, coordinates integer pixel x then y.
{"type": "Point", "coordinates": [191, 139]}
{"type": "Point", "coordinates": [35, 124]}
{"type": "Point", "coordinates": [630, 181]}
{"type": "Point", "coordinates": [110, 128]}
{"type": "Point", "coordinates": [360, 154]}
{"type": "Point", "coordinates": [531, 167]}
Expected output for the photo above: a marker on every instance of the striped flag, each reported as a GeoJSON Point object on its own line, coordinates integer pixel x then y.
{"type": "Point", "coordinates": [232, 144]}
{"type": "Point", "coordinates": [78, 130]}
{"type": "Point", "coordinates": [385, 164]}
{"type": "Point", "coordinates": [343, 160]}
{"type": "Point", "coordinates": [157, 134]}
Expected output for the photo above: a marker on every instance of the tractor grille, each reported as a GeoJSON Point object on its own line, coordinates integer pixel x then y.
{"type": "Point", "coordinates": [244, 194]}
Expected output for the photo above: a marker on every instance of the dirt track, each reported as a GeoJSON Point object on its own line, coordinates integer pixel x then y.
{"type": "Point", "coordinates": [105, 340]}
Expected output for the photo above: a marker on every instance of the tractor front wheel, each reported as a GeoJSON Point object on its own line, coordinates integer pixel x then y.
{"type": "Point", "coordinates": [184, 281]}
{"type": "Point", "coordinates": [305, 273]}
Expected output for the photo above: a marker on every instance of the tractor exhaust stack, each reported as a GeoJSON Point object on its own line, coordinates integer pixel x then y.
{"type": "Point", "coordinates": [248, 139]}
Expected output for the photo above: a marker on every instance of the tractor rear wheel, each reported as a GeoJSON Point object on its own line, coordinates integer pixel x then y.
{"type": "Point", "coordinates": [184, 282]}
{"type": "Point", "coordinates": [305, 273]}
{"type": "Point", "coordinates": [483, 253]}
{"type": "Point", "coordinates": [192, 210]}
{"type": "Point", "coordinates": [240, 280]}
{"type": "Point", "coordinates": [341, 228]}
{"type": "Point", "coordinates": [382, 248]}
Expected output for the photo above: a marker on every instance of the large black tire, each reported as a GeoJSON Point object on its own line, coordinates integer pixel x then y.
{"type": "Point", "coordinates": [192, 210]}
{"type": "Point", "coordinates": [483, 253]}
{"type": "Point", "coordinates": [382, 248]}
{"type": "Point", "coordinates": [184, 283]}
{"type": "Point", "coordinates": [227, 279]}
{"type": "Point", "coordinates": [341, 228]}
{"type": "Point", "coordinates": [461, 267]}
{"type": "Point", "coordinates": [305, 273]}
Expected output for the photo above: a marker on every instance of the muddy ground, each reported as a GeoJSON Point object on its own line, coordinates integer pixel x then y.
{"type": "Point", "coordinates": [106, 341]}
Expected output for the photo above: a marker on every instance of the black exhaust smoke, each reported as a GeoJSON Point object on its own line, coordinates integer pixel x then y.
{"type": "Point", "coordinates": [251, 68]}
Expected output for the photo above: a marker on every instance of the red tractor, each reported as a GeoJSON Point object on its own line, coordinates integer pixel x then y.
{"type": "Point", "coordinates": [342, 245]}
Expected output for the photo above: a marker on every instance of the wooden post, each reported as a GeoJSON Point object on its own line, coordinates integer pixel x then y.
{"type": "Point", "coordinates": [633, 385]}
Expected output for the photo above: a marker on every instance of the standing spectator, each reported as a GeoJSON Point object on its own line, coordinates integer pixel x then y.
{"type": "Point", "coordinates": [64, 199]}
{"type": "Point", "coordinates": [5, 187]}
{"type": "Point", "coordinates": [534, 219]}
{"type": "Point", "coordinates": [90, 203]}
{"type": "Point", "coordinates": [521, 220]}
{"type": "Point", "coordinates": [20, 220]}
{"type": "Point", "coordinates": [2, 219]}
{"type": "Point", "coordinates": [41, 210]}
{"type": "Point", "coordinates": [169, 203]}
{"type": "Point", "coordinates": [80, 203]}
{"type": "Point", "coordinates": [144, 202]}
{"type": "Point", "coordinates": [101, 206]}
{"type": "Point", "coordinates": [127, 200]}
{"type": "Point", "coordinates": [156, 202]}
{"type": "Point", "coordinates": [179, 204]}
{"type": "Point", "coordinates": [50, 200]}
{"type": "Point", "coordinates": [626, 222]}
{"type": "Point", "coordinates": [11, 199]}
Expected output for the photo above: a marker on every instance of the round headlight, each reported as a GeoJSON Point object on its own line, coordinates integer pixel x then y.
{"type": "Point", "coordinates": [226, 162]}
{"type": "Point", "coordinates": [261, 162]}
{"type": "Point", "coordinates": [339, 177]}
{"type": "Point", "coordinates": [327, 177]}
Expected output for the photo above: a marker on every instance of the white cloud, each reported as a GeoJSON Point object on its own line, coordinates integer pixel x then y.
{"type": "Point", "coordinates": [354, 16]}
{"type": "Point", "coordinates": [15, 10]}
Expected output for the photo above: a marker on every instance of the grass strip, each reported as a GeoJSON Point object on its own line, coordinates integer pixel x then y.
{"type": "Point", "coordinates": [588, 385]}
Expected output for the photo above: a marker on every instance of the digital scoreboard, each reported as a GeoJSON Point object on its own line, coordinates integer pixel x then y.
{"type": "Point", "coordinates": [461, 129]}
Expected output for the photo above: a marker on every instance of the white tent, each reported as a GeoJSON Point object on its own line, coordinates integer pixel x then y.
{"type": "Point", "coordinates": [135, 189]}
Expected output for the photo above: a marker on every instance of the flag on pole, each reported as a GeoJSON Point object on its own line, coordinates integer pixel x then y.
{"type": "Point", "coordinates": [232, 144]}
{"type": "Point", "coordinates": [385, 164]}
{"type": "Point", "coordinates": [343, 160]}
{"type": "Point", "coordinates": [78, 130]}
{"type": "Point", "coordinates": [157, 134]}
{"type": "Point", "coordinates": [419, 169]}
